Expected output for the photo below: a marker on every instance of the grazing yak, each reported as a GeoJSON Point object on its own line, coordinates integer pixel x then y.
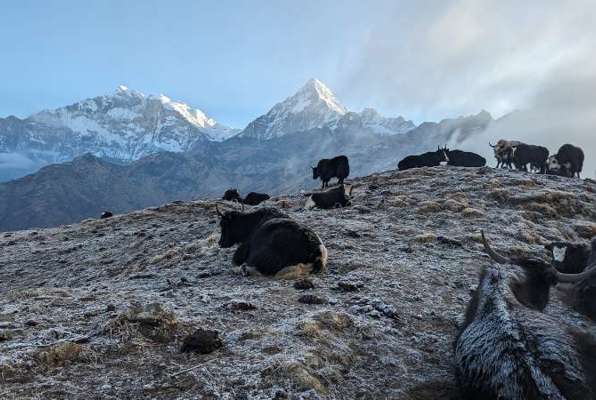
{"type": "Point", "coordinates": [232, 195]}
{"type": "Point", "coordinates": [525, 154]}
{"type": "Point", "coordinates": [504, 152]}
{"type": "Point", "coordinates": [336, 167]}
{"type": "Point", "coordinates": [429, 159]}
{"type": "Point", "coordinates": [508, 349]}
{"type": "Point", "coordinates": [459, 158]}
{"type": "Point", "coordinates": [271, 243]}
{"type": "Point", "coordinates": [569, 161]}
{"type": "Point", "coordinates": [253, 199]}
{"type": "Point", "coordinates": [338, 196]}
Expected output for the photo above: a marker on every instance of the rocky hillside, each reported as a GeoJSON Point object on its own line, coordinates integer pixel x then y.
{"type": "Point", "coordinates": [70, 192]}
{"type": "Point", "coordinates": [103, 306]}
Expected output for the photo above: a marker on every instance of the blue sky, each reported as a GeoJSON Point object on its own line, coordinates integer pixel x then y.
{"type": "Point", "coordinates": [425, 60]}
{"type": "Point", "coordinates": [233, 59]}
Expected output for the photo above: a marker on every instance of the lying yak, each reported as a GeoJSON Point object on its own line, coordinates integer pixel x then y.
{"type": "Point", "coordinates": [271, 243]}
{"type": "Point", "coordinates": [106, 214]}
{"type": "Point", "coordinates": [232, 195]}
{"type": "Point", "coordinates": [508, 349]}
{"type": "Point", "coordinates": [572, 257]}
{"type": "Point", "coordinates": [338, 196]}
{"type": "Point", "coordinates": [336, 167]}
{"type": "Point", "coordinates": [577, 258]}
{"type": "Point", "coordinates": [459, 158]}
{"type": "Point", "coordinates": [253, 199]}
{"type": "Point", "coordinates": [428, 159]}
{"type": "Point", "coordinates": [569, 161]}
{"type": "Point", "coordinates": [536, 156]}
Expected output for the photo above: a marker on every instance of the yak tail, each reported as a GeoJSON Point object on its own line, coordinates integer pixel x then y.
{"type": "Point", "coordinates": [320, 263]}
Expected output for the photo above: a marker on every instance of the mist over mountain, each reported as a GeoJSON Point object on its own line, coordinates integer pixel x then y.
{"type": "Point", "coordinates": [273, 154]}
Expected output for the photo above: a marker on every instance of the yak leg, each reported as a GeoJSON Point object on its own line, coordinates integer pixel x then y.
{"type": "Point", "coordinates": [340, 181]}
{"type": "Point", "coordinates": [241, 254]}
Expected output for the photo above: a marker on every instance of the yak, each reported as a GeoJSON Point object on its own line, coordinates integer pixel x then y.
{"type": "Point", "coordinates": [571, 257]}
{"type": "Point", "coordinates": [504, 152]}
{"type": "Point", "coordinates": [253, 199]}
{"type": "Point", "coordinates": [232, 195]}
{"type": "Point", "coordinates": [508, 349]}
{"type": "Point", "coordinates": [106, 214]}
{"type": "Point", "coordinates": [459, 158]}
{"type": "Point", "coordinates": [569, 161]}
{"type": "Point", "coordinates": [578, 258]}
{"type": "Point", "coordinates": [536, 156]}
{"type": "Point", "coordinates": [271, 243]}
{"type": "Point", "coordinates": [428, 159]}
{"type": "Point", "coordinates": [336, 167]}
{"type": "Point", "coordinates": [335, 197]}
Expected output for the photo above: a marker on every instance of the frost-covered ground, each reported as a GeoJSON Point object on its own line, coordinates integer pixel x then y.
{"type": "Point", "coordinates": [99, 309]}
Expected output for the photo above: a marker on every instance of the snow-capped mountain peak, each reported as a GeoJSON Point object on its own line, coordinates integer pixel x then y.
{"type": "Point", "coordinates": [313, 106]}
{"type": "Point", "coordinates": [124, 125]}
{"type": "Point", "coordinates": [316, 91]}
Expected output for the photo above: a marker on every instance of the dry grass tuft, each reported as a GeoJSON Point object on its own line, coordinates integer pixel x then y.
{"type": "Point", "coordinates": [61, 354]}
{"type": "Point", "coordinates": [150, 321]}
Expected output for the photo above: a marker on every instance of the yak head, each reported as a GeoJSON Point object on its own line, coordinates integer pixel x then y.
{"type": "Point", "coordinates": [232, 195]}
{"type": "Point", "coordinates": [553, 164]}
{"type": "Point", "coordinates": [443, 154]}
{"type": "Point", "coordinates": [315, 172]}
{"type": "Point", "coordinates": [233, 228]}
{"type": "Point", "coordinates": [554, 167]}
{"type": "Point", "coordinates": [532, 288]}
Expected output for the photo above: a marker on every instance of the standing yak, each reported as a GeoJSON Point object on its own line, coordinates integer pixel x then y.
{"type": "Point", "coordinates": [569, 161]}
{"type": "Point", "coordinates": [525, 154]}
{"type": "Point", "coordinates": [336, 167]}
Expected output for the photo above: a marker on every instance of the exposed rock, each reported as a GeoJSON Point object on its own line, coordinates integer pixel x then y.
{"type": "Point", "coordinates": [304, 284]}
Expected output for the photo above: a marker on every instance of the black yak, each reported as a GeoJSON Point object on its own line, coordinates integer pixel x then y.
{"type": "Point", "coordinates": [569, 161]}
{"type": "Point", "coordinates": [271, 243]}
{"type": "Point", "coordinates": [428, 159]}
{"type": "Point", "coordinates": [508, 349]}
{"type": "Point", "coordinates": [536, 156]}
{"type": "Point", "coordinates": [336, 167]}
{"type": "Point", "coordinates": [232, 195]}
{"type": "Point", "coordinates": [338, 196]}
{"type": "Point", "coordinates": [459, 158]}
{"type": "Point", "coordinates": [253, 199]}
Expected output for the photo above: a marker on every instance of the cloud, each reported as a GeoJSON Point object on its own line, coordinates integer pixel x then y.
{"type": "Point", "coordinates": [443, 59]}
{"type": "Point", "coordinates": [435, 59]}
{"type": "Point", "coordinates": [15, 161]}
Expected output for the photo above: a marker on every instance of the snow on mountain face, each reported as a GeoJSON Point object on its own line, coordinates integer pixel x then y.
{"type": "Point", "coordinates": [315, 106]}
{"type": "Point", "coordinates": [125, 125]}
{"type": "Point", "coordinates": [128, 125]}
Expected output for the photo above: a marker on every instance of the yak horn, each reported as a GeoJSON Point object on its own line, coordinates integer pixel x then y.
{"type": "Point", "coordinates": [217, 210]}
{"type": "Point", "coordinates": [574, 278]}
{"type": "Point", "coordinates": [492, 145]}
{"type": "Point", "coordinates": [493, 254]}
